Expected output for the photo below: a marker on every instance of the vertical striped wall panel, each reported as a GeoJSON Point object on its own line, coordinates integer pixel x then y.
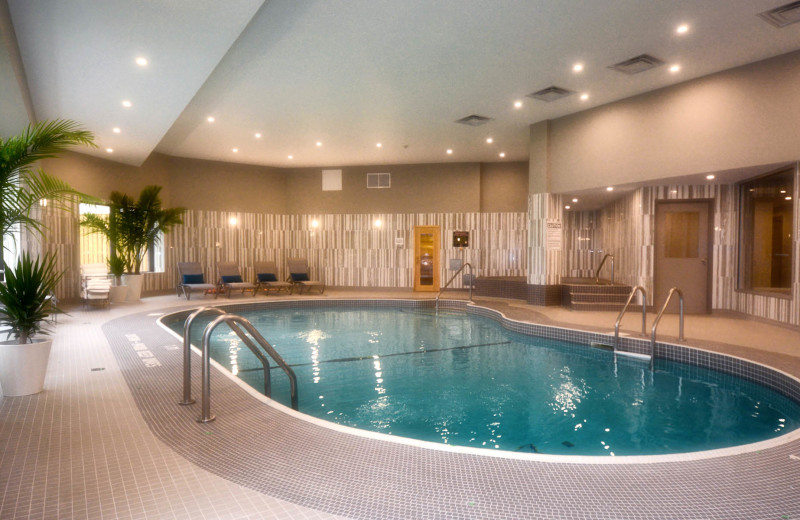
{"type": "Point", "coordinates": [344, 250]}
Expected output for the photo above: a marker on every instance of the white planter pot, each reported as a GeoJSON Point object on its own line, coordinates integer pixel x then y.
{"type": "Point", "coordinates": [134, 283]}
{"type": "Point", "coordinates": [118, 293]}
{"type": "Point", "coordinates": [23, 366]}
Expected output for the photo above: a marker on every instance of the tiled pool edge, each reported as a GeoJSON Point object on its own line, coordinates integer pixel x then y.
{"type": "Point", "coordinates": [364, 478]}
{"type": "Point", "coordinates": [767, 376]}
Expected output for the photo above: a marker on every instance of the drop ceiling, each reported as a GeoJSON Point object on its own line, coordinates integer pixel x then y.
{"type": "Point", "coordinates": [325, 81]}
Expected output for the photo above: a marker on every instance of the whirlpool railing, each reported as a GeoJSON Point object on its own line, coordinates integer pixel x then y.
{"type": "Point", "coordinates": [257, 344]}
{"type": "Point", "coordinates": [471, 283]}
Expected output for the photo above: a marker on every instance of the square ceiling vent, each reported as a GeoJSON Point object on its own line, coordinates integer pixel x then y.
{"type": "Point", "coordinates": [474, 120]}
{"type": "Point", "coordinates": [638, 64]}
{"type": "Point", "coordinates": [783, 15]}
{"type": "Point", "coordinates": [551, 94]}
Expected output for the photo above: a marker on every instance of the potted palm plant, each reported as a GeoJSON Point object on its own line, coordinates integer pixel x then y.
{"type": "Point", "coordinates": [132, 227]}
{"type": "Point", "coordinates": [26, 296]}
{"type": "Point", "coordinates": [27, 301]}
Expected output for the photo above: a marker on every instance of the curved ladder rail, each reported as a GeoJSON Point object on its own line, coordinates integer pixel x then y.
{"type": "Point", "coordinates": [625, 308]}
{"type": "Point", "coordinates": [658, 318]}
{"type": "Point", "coordinates": [187, 351]}
{"type": "Point", "coordinates": [471, 282]}
{"type": "Point", "coordinates": [233, 320]}
{"type": "Point", "coordinates": [603, 261]}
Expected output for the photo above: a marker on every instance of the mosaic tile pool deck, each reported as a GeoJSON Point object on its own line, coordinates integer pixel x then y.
{"type": "Point", "coordinates": [267, 450]}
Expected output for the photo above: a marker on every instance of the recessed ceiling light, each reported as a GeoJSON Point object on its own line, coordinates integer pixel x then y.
{"type": "Point", "coordinates": [575, 200]}
{"type": "Point", "coordinates": [319, 143]}
{"type": "Point", "coordinates": [578, 67]}
{"type": "Point", "coordinates": [788, 198]}
{"type": "Point", "coordinates": [517, 104]}
{"type": "Point", "coordinates": [502, 154]}
{"type": "Point", "coordinates": [567, 206]}
{"type": "Point", "coordinates": [210, 119]}
{"type": "Point", "coordinates": [258, 135]}
{"type": "Point", "coordinates": [675, 68]}
{"type": "Point", "coordinates": [291, 157]}
{"type": "Point", "coordinates": [126, 103]}
{"type": "Point", "coordinates": [682, 29]}
{"type": "Point", "coordinates": [116, 130]}
{"type": "Point", "coordinates": [379, 145]}
{"type": "Point", "coordinates": [489, 140]}
{"type": "Point", "coordinates": [141, 61]}
{"type": "Point", "coordinates": [109, 150]}
{"type": "Point", "coordinates": [584, 97]}
{"type": "Point", "coordinates": [710, 177]}
{"type": "Point", "coordinates": [235, 150]}
{"type": "Point", "coordinates": [610, 188]}
{"type": "Point", "coordinates": [449, 151]}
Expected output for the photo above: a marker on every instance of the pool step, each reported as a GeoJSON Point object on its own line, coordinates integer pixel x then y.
{"type": "Point", "coordinates": [595, 297]}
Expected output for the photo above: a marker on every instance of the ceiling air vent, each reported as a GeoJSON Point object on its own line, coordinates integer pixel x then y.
{"type": "Point", "coordinates": [637, 64]}
{"type": "Point", "coordinates": [551, 94]}
{"type": "Point", "coordinates": [379, 180]}
{"type": "Point", "coordinates": [474, 120]}
{"type": "Point", "coordinates": [783, 15]}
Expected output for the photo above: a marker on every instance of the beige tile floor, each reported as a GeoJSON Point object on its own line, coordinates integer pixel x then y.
{"type": "Point", "coordinates": [80, 449]}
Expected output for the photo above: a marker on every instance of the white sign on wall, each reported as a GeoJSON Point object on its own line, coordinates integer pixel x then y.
{"type": "Point", "coordinates": [553, 236]}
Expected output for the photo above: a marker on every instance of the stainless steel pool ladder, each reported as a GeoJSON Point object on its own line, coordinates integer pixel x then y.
{"type": "Point", "coordinates": [471, 283]}
{"type": "Point", "coordinates": [636, 289]}
{"type": "Point", "coordinates": [236, 323]}
{"type": "Point", "coordinates": [658, 318]}
{"type": "Point", "coordinates": [603, 261]}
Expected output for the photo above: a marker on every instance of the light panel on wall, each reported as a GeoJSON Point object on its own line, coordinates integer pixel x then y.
{"type": "Point", "coordinates": [331, 180]}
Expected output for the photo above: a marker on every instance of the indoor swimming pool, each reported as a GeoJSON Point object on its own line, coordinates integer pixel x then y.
{"type": "Point", "coordinates": [464, 380]}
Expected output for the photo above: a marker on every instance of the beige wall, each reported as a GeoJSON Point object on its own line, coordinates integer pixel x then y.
{"type": "Point", "coordinates": [737, 118]}
{"type": "Point", "coordinates": [219, 186]}
{"type": "Point", "coordinates": [504, 187]}
{"type": "Point", "coordinates": [415, 188]}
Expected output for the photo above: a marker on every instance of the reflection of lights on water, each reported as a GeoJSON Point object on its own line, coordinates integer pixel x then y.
{"type": "Point", "coordinates": [376, 364]}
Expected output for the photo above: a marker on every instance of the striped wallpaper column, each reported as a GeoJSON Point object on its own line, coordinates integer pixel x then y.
{"type": "Point", "coordinates": [545, 263]}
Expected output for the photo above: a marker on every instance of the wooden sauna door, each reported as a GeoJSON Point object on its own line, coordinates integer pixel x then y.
{"type": "Point", "coordinates": [426, 258]}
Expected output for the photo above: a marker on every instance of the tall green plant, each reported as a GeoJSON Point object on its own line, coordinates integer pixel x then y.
{"type": "Point", "coordinates": [133, 226]}
{"type": "Point", "coordinates": [25, 296]}
{"type": "Point", "coordinates": [22, 186]}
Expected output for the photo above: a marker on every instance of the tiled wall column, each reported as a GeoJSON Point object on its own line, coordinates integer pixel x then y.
{"type": "Point", "coordinates": [545, 241]}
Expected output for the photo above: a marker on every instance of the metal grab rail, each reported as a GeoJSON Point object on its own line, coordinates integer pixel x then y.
{"type": "Point", "coordinates": [233, 322]}
{"type": "Point", "coordinates": [658, 318]}
{"type": "Point", "coordinates": [471, 282]}
{"type": "Point", "coordinates": [603, 261]}
{"type": "Point", "coordinates": [625, 308]}
{"type": "Point", "coordinates": [187, 352]}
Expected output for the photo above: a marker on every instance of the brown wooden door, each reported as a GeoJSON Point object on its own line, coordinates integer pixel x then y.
{"type": "Point", "coordinates": [683, 255]}
{"type": "Point", "coordinates": [426, 258]}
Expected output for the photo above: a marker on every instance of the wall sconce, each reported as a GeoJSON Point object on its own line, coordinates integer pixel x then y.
{"type": "Point", "coordinates": [43, 203]}
{"type": "Point", "coordinates": [315, 224]}
{"type": "Point", "coordinates": [233, 221]}
{"type": "Point", "coordinates": [377, 223]}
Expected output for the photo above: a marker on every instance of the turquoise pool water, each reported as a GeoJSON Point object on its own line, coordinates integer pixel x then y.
{"type": "Point", "coordinates": [463, 380]}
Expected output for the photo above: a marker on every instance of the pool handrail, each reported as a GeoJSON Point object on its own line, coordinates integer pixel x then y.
{"type": "Point", "coordinates": [187, 352]}
{"type": "Point", "coordinates": [603, 261]}
{"type": "Point", "coordinates": [471, 283]}
{"type": "Point", "coordinates": [625, 308]}
{"type": "Point", "coordinates": [234, 322]}
{"type": "Point", "coordinates": [658, 318]}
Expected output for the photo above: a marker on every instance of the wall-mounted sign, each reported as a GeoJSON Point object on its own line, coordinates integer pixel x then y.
{"type": "Point", "coordinates": [399, 242]}
{"type": "Point", "coordinates": [460, 238]}
{"type": "Point", "coordinates": [553, 236]}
